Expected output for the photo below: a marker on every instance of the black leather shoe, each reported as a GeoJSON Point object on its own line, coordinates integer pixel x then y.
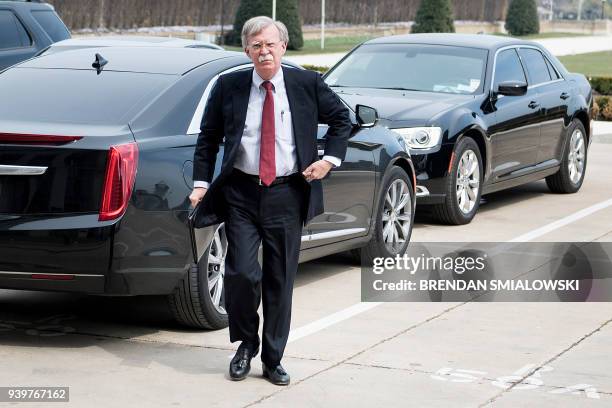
{"type": "Point", "coordinates": [276, 375]}
{"type": "Point", "coordinates": [241, 363]}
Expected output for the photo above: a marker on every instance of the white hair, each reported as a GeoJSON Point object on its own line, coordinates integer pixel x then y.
{"type": "Point", "coordinates": [254, 25]}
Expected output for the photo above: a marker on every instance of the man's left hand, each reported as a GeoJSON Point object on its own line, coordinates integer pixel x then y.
{"type": "Point", "coordinates": [317, 170]}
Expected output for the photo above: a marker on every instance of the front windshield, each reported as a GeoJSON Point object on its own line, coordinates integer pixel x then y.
{"type": "Point", "coordinates": [415, 67]}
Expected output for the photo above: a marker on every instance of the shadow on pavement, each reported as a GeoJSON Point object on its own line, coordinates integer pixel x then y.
{"type": "Point", "coordinates": [493, 201]}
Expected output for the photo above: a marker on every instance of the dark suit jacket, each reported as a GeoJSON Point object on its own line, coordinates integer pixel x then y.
{"type": "Point", "coordinates": [311, 102]}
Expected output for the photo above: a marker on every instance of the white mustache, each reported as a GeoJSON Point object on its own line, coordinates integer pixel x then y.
{"type": "Point", "coordinates": [267, 57]}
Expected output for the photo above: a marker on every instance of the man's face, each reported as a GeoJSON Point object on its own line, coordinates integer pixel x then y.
{"type": "Point", "coordinates": [266, 50]}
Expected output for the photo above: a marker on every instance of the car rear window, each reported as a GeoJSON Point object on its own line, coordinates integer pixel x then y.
{"type": "Point", "coordinates": [77, 96]}
{"type": "Point", "coordinates": [537, 71]}
{"type": "Point", "coordinates": [12, 32]}
{"type": "Point", "coordinates": [52, 24]}
{"type": "Point", "coordinates": [551, 70]}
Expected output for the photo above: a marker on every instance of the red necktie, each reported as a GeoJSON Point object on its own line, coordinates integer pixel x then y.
{"type": "Point", "coordinates": [267, 166]}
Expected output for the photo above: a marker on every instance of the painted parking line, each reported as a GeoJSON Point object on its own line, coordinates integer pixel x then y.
{"type": "Point", "coordinates": [530, 236]}
{"type": "Point", "coordinates": [332, 319]}
{"type": "Point", "coordinates": [361, 307]}
{"type": "Point", "coordinates": [328, 321]}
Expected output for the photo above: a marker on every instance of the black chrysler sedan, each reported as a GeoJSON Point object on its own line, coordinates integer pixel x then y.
{"type": "Point", "coordinates": [96, 150]}
{"type": "Point", "coordinates": [479, 113]}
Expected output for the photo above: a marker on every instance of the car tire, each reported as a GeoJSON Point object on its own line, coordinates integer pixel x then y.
{"type": "Point", "coordinates": [570, 176]}
{"type": "Point", "coordinates": [192, 303]}
{"type": "Point", "coordinates": [381, 245]}
{"type": "Point", "coordinates": [461, 210]}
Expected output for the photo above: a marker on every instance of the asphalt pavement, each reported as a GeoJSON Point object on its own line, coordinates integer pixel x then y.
{"type": "Point", "coordinates": [126, 352]}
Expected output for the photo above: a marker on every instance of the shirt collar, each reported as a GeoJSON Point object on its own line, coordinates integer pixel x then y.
{"type": "Point", "coordinates": [277, 79]}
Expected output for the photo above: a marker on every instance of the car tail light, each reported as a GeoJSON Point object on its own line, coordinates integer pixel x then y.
{"type": "Point", "coordinates": [22, 138]}
{"type": "Point", "coordinates": [119, 180]}
{"type": "Point", "coordinates": [52, 276]}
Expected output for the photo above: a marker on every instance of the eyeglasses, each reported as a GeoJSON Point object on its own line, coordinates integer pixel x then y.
{"type": "Point", "coordinates": [258, 46]}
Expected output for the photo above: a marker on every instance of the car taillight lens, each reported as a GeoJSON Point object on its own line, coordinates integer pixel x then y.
{"type": "Point", "coordinates": [119, 181]}
{"type": "Point", "coordinates": [23, 138]}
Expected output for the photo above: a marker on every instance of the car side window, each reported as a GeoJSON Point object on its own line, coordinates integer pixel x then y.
{"type": "Point", "coordinates": [52, 24]}
{"type": "Point", "coordinates": [552, 71]}
{"type": "Point", "coordinates": [508, 68]}
{"type": "Point", "coordinates": [12, 33]}
{"type": "Point", "coordinates": [537, 71]}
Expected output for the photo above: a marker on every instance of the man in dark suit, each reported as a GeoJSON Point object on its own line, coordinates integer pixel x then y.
{"type": "Point", "coordinates": [269, 186]}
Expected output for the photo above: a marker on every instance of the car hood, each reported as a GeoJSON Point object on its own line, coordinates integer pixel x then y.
{"type": "Point", "coordinates": [408, 106]}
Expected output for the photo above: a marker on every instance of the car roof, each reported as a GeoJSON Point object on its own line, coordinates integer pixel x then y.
{"type": "Point", "coordinates": [26, 5]}
{"type": "Point", "coordinates": [157, 60]}
{"type": "Point", "coordinates": [462, 40]}
{"type": "Point", "coordinates": [133, 41]}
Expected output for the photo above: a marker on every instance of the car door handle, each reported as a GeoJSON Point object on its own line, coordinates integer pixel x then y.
{"type": "Point", "coordinates": [533, 104]}
{"type": "Point", "coordinates": [564, 95]}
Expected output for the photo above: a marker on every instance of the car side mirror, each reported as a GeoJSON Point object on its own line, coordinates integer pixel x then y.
{"type": "Point", "coordinates": [512, 88]}
{"type": "Point", "coordinates": [366, 116]}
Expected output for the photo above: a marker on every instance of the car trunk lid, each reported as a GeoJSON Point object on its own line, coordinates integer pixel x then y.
{"type": "Point", "coordinates": [55, 170]}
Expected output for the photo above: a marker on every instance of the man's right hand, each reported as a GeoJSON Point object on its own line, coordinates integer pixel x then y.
{"type": "Point", "coordinates": [197, 195]}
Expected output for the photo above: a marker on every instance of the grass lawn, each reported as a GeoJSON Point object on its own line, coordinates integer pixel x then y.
{"type": "Point", "coordinates": [332, 44]}
{"type": "Point", "coordinates": [594, 63]}
{"type": "Point", "coordinates": [545, 35]}
{"type": "Point", "coordinates": [345, 44]}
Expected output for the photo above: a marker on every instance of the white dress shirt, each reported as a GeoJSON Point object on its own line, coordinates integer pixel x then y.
{"type": "Point", "coordinates": [247, 157]}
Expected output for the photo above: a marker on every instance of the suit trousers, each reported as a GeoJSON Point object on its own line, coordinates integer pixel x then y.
{"type": "Point", "coordinates": [271, 216]}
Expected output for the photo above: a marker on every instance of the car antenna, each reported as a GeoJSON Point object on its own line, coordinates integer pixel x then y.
{"type": "Point", "coordinates": [99, 63]}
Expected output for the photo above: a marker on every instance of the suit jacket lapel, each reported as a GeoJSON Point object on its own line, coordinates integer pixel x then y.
{"type": "Point", "coordinates": [240, 102]}
{"type": "Point", "coordinates": [295, 92]}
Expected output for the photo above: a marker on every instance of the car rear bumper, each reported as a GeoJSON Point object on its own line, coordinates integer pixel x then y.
{"type": "Point", "coordinates": [144, 281]}
{"type": "Point", "coordinates": [68, 253]}
{"type": "Point", "coordinates": [82, 283]}
{"type": "Point", "coordinates": [78, 253]}
{"type": "Point", "coordinates": [119, 283]}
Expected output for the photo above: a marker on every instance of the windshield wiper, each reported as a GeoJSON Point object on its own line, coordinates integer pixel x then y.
{"type": "Point", "coordinates": [401, 89]}
{"type": "Point", "coordinates": [374, 87]}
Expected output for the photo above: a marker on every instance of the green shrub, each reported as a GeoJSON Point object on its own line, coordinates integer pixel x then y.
{"type": "Point", "coordinates": [606, 113]}
{"type": "Point", "coordinates": [601, 85]}
{"type": "Point", "coordinates": [522, 18]}
{"type": "Point", "coordinates": [602, 108]}
{"type": "Point", "coordinates": [286, 11]}
{"type": "Point", "coordinates": [434, 16]}
{"type": "Point", "coordinates": [317, 68]}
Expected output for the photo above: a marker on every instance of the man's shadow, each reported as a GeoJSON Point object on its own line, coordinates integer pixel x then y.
{"type": "Point", "coordinates": [121, 325]}
{"type": "Point", "coordinates": [30, 319]}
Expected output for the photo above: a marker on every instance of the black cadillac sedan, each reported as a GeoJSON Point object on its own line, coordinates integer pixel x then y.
{"type": "Point", "coordinates": [479, 113]}
{"type": "Point", "coordinates": [96, 149]}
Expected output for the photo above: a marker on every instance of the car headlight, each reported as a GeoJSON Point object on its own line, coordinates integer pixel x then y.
{"type": "Point", "coordinates": [420, 137]}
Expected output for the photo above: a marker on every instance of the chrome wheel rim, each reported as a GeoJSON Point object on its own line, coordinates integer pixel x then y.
{"type": "Point", "coordinates": [215, 267]}
{"type": "Point", "coordinates": [397, 216]}
{"type": "Point", "coordinates": [468, 181]}
{"type": "Point", "coordinates": [575, 158]}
